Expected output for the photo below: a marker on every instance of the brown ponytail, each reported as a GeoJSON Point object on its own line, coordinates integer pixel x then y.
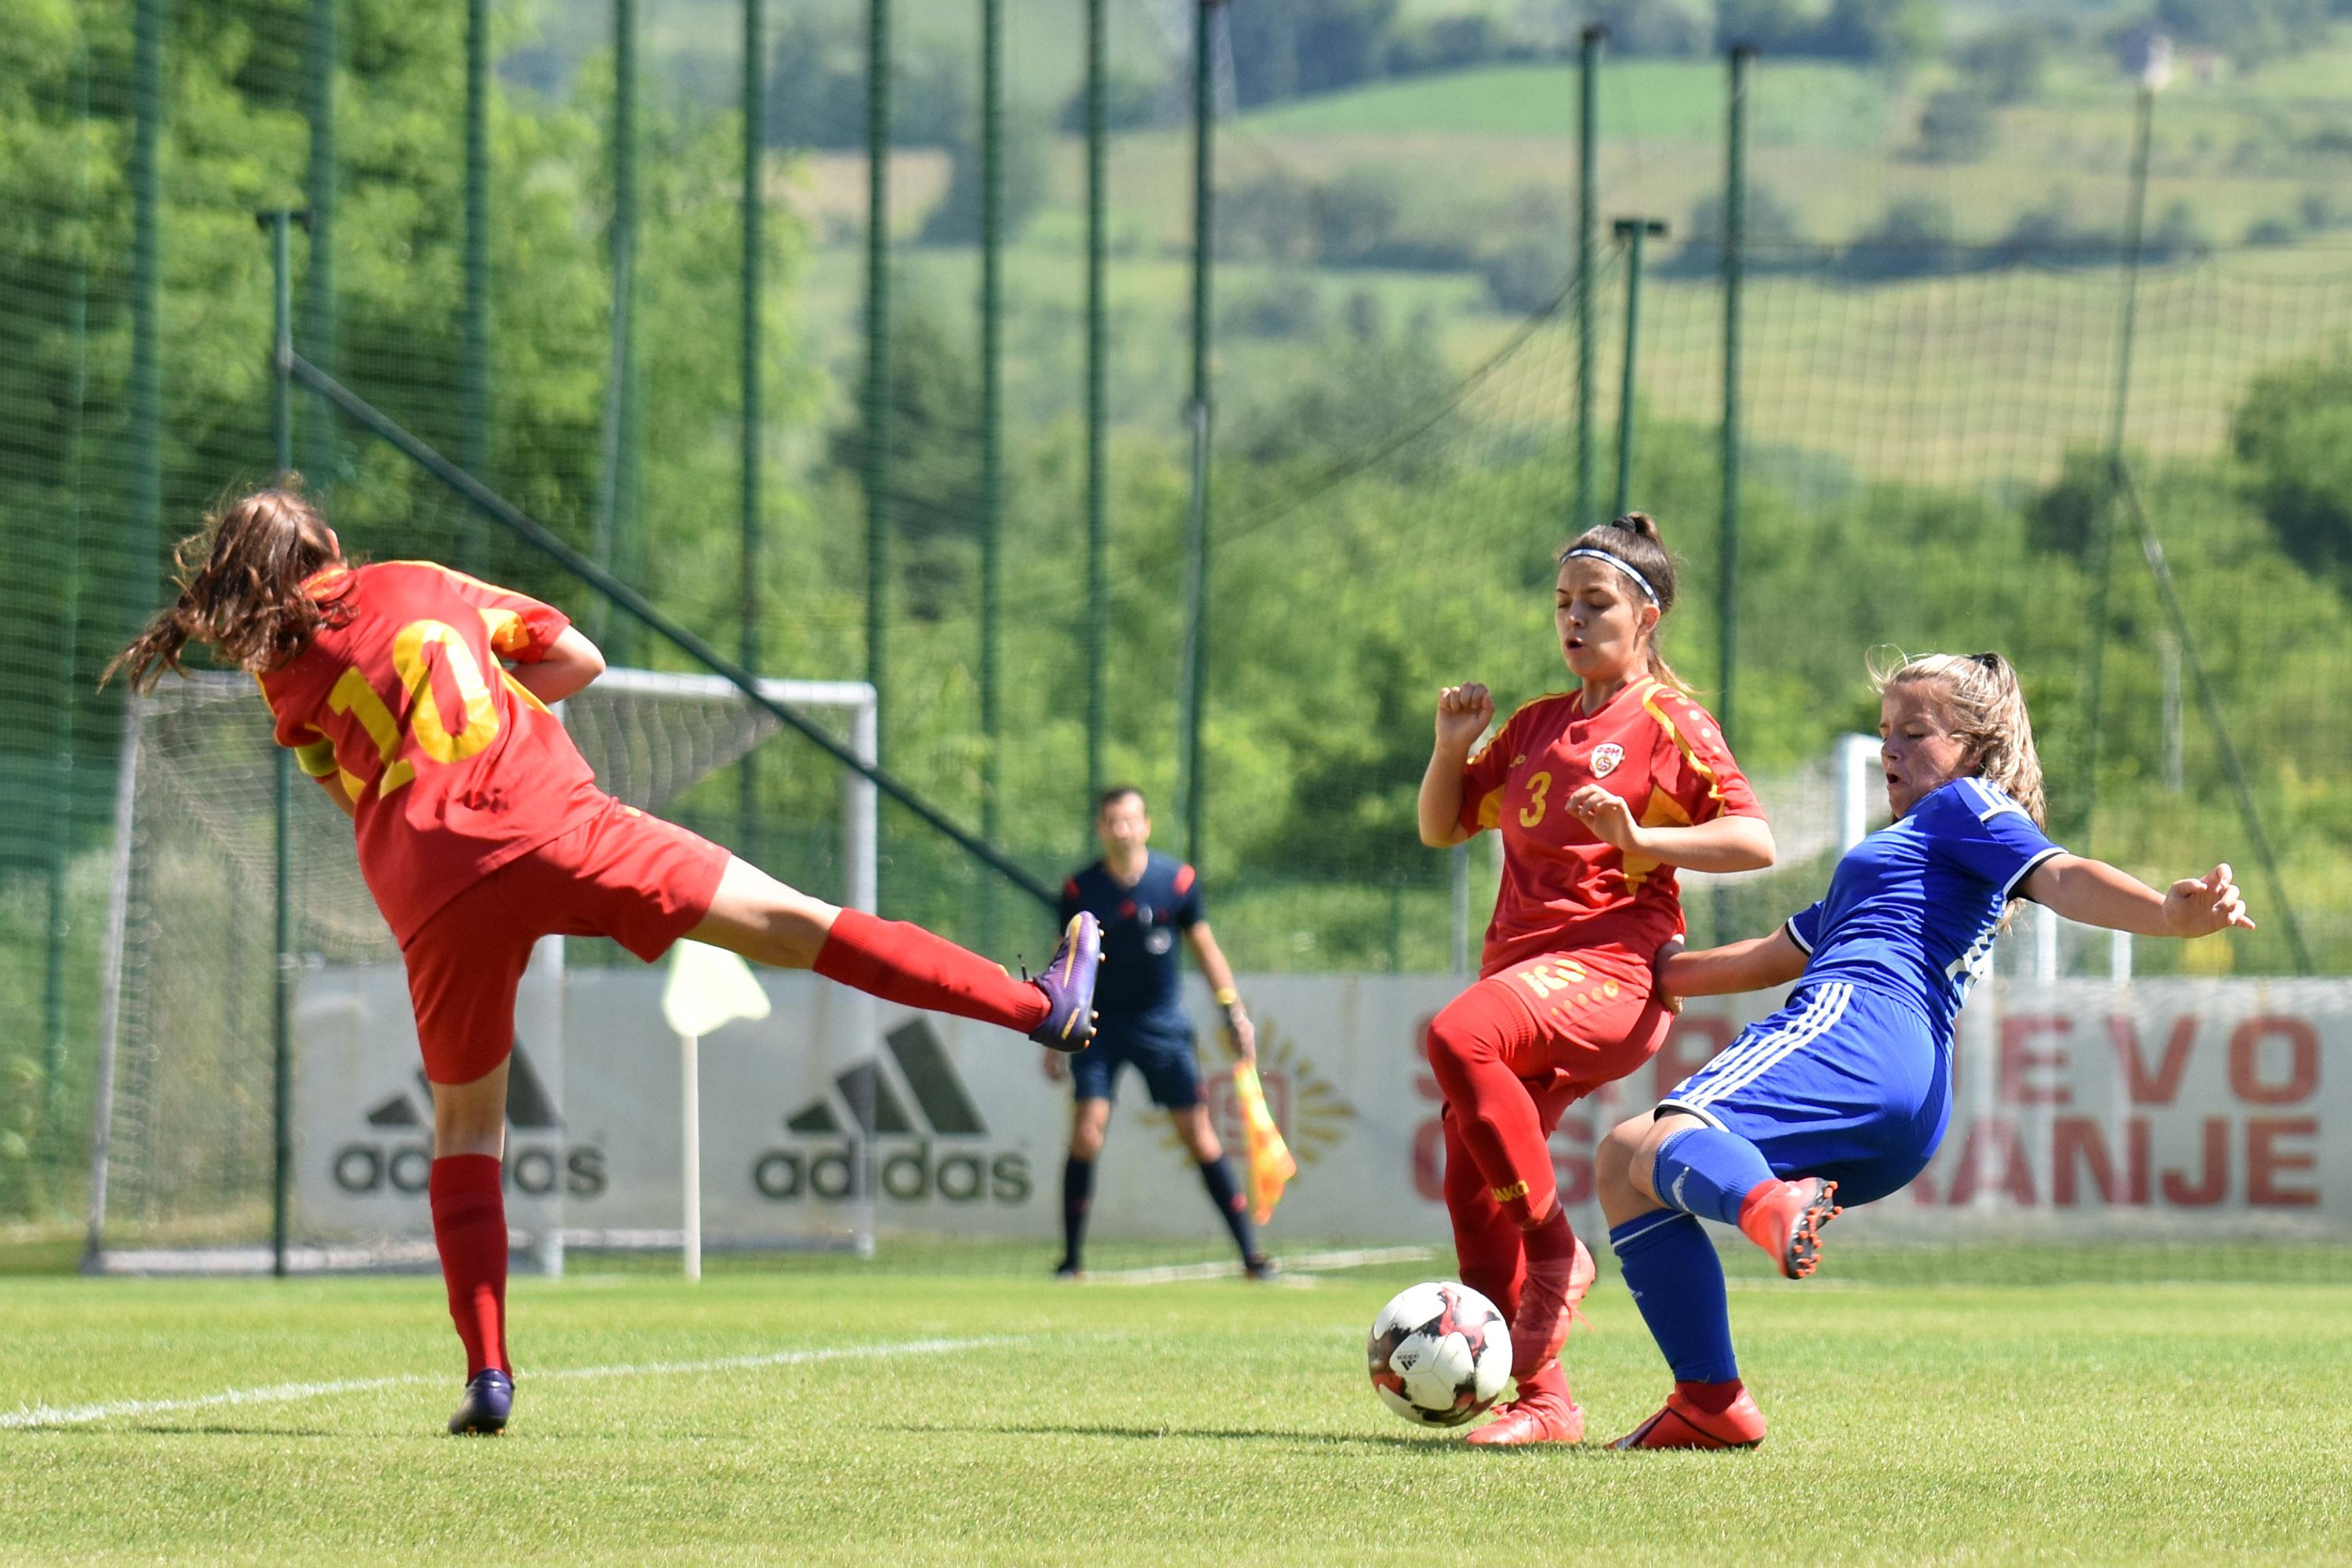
{"type": "Point", "coordinates": [241, 591]}
{"type": "Point", "coordinates": [1631, 542]}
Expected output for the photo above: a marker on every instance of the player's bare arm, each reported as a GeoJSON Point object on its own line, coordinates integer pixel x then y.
{"type": "Point", "coordinates": [1727, 843]}
{"type": "Point", "coordinates": [1757, 964]}
{"type": "Point", "coordinates": [1463, 714]}
{"type": "Point", "coordinates": [334, 784]}
{"type": "Point", "coordinates": [566, 670]}
{"type": "Point", "coordinates": [2095, 893]}
{"type": "Point", "coordinates": [1240, 1033]}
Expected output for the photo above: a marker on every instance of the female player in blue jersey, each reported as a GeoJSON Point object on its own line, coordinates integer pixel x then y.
{"type": "Point", "coordinates": [1844, 1094]}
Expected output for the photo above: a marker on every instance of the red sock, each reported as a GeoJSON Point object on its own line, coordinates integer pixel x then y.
{"type": "Point", "coordinates": [1713, 1398]}
{"type": "Point", "coordinates": [1553, 1241]}
{"type": "Point", "coordinates": [1490, 1251]}
{"type": "Point", "coordinates": [1550, 1381]}
{"type": "Point", "coordinates": [1469, 1044]}
{"type": "Point", "coordinates": [906, 965]}
{"type": "Point", "coordinates": [469, 1226]}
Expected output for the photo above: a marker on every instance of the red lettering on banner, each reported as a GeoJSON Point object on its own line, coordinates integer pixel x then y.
{"type": "Point", "coordinates": [1689, 1046]}
{"type": "Point", "coordinates": [2246, 1060]}
{"type": "Point", "coordinates": [2165, 1086]}
{"type": "Point", "coordinates": [2079, 1140]}
{"type": "Point", "coordinates": [1992, 1138]}
{"type": "Point", "coordinates": [2213, 1185]}
{"type": "Point", "coordinates": [1429, 1160]}
{"type": "Point", "coordinates": [2265, 1162]}
{"type": "Point", "coordinates": [2017, 1060]}
{"type": "Point", "coordinates": [1571, 1167]}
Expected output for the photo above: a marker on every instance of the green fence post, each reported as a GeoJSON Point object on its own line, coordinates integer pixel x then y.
{"type": "Point", "coordinates": [475, 396]}
{"type": "Point", "coordinates": [319, 288]}
{"type": "Point", "coordinates": [1735, 264]}
{"type": "Point", "coordinates": [991, 437]}
{"type": "Point", "coordinates": [878, 511]}
{"type": "Point", "coordinates": [1633, 231]}
{"type": "Point", "coordinates": [1097, 348]}
{"type": "Point", "coordinates": [755, 130]}
{"type": "Point", "coordinates": [1194, 675]}
{"type": "Point", "coordinates": [1588, 136]}
{"type": "Point", "coordinates": [282, 987]}
{"type": "Point", "coordinates": [616, 459]}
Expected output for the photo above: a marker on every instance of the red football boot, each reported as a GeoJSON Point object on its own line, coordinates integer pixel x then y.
{"type": "Point", "coordinates": [1547, 1307]}
{"type": "Point", "coordinates": [1542, 1418]}
{"type": "Point", "coordinates": [1785, 1218]}
{"type": "Point", "coordinates": [1683, 1425]}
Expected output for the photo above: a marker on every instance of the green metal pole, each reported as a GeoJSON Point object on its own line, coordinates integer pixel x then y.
{"type": "Point", "coordinates": [1588, 141]}
{"type": "Point", "coordinates": [992, 436]}
{"type": "Point", "coordinates": [1195, 673]}
{"type": "Point", "coordinates": [474, 449]}
{"type": "Point", "coordinates": [281, 990]}
{"type": "Point", "coordinates": [2103, 554]}
{"type": "Point", "coordinates": [319, 292]}
{"type": "Point", "coordinates": [1634, 231]}
{"type": "Point", "coordinates": [878, 510]}
{"type": "Point", "coordinates": [1097, 351]}
{"type": "Point", "coordinates": [146, 487]}
{"type": "Point", "coordinates": [755, 135]}
{"type": "Point", "coordinates": [1735, 264]}
{"type": "Point", "coordinates": [616, 466]}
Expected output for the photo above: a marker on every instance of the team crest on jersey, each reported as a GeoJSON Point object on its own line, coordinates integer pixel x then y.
{"type": "Point", "coordinates": [1605, 758]}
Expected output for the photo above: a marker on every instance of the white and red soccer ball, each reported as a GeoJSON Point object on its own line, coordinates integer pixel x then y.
{"type": "Point", "coordinates": [1440, 1354]}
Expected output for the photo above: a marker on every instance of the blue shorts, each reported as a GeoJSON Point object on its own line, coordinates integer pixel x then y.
{"type": "Point", "coordinates": [1161, 1049]}
{"type": "Point", "coordinates": [1840, 1083]}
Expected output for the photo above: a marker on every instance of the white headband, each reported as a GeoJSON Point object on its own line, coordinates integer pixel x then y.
{"type": "Point", "coordinates": [1639, 581]}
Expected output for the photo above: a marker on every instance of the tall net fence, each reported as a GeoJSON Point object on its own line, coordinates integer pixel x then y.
{"type": "Point", "coordinates": [1961, 430]}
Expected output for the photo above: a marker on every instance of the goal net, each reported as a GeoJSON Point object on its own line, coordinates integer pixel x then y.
{"type": "Point", "coordinates": [208, 1156]}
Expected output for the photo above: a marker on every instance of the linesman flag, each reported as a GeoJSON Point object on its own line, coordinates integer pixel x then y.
{"type": "Point", "coordinates": [708, 987]}
{"type": "Point", "coordinates": [1270, 1164]}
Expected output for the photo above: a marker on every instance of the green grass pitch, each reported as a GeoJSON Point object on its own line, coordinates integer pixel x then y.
{"type": "Point", "coordinates": [909, 1418]}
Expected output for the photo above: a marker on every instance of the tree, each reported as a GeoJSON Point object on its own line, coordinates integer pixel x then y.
{"type": "Point", "coordinates": [2293, 433]}
{"type": "Point", "coordinates": [1956, 126]}
{"type": "Point", "coordinates": [1021, 191]}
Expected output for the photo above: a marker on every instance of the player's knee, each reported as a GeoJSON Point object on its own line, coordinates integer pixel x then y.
{"type": "Point", "coordinates": [1613, 1162]}
{"type": "Point", "coordinates": [1455, 1041]}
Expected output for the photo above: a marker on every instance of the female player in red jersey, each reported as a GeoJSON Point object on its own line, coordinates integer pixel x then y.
{"type": "Point", "coordinates": [419, 699]}
{"type": "Point", "coordinates": [1599, 794]}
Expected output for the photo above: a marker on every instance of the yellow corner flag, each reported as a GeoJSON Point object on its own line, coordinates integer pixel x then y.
{"type": "Point", "coordinates": [1270, 1164]}
{"type": "Point", "coordinates": [708, 987]}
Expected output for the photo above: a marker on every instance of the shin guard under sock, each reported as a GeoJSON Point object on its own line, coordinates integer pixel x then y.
{"type": "Point", "coordinates": [1710, 1172]}
{"type": "Point", "coordinates": [1676, 1281]}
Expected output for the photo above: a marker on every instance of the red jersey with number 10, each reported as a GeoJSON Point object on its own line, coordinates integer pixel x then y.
{"type": "Point", "coordinates": [456, 768]}
{"type": "Point", "coordinates": [1564, 888]}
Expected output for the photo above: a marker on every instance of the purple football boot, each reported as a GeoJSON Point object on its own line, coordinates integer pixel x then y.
{"type": "Point", "coordinates": [1068, 983]}
{"type": "Point", "coordinates": [489, 1399]}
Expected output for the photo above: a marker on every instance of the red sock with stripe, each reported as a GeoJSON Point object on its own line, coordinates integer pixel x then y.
{"type": "Point", "coordinates": [906, 965]}
{"type": "Point", "coordinates": [1493, 1110]}
{"type": "Point", "coordinates": [469, 1228]}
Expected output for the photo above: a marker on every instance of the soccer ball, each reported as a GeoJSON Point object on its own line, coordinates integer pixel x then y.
{"type": "Point", "coordinates": [1440, 1354]}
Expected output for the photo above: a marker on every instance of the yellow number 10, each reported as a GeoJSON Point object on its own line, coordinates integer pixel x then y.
{"type": "Point", "coordinates": [353, 695]}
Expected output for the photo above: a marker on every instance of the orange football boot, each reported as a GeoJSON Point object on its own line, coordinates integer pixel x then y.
{"type": "Point", "coordinates": [1785, 1218]}
{"type": "Point", "coordinates": [1542, 1418]}
{"type": "Point", "coordinates": [1683, 1425]}
{"type": "Point", "coordinates": [1548, 1299]}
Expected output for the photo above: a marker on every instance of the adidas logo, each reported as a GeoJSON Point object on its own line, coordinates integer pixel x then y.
{"type": "Point", "coordinates": [533, 1167]}
{"type": "Point", "coordinates": [866, 1105]}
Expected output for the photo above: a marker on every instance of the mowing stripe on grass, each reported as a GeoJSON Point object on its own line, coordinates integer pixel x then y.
{"type": "Point", "coordinates": [41, 1416]}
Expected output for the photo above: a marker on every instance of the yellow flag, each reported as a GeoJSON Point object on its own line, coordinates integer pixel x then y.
{"type": "Point", "coordinates": [707, 987]}
{"type": "Point", "coordinates": [1270, 1164]}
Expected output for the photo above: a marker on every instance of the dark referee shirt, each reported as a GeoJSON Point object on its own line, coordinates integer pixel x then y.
{"type": "Point", "coordinates": [1139, 977]}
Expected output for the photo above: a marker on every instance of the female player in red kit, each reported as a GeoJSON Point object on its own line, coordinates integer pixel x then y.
{"type": "Point", "coordinates": [419, 698]}
{"type": "Point", "coordinates": [1599, 794]}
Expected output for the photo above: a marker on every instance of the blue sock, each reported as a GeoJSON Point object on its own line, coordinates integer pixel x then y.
{"type": "Point", "coordinates": [1677, 1283]}
{"type": "Point", "coordinates": [1707, 1172]}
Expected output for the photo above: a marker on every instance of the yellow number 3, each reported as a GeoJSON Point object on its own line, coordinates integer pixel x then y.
{"type": "Point", "coordinates": [1533, 812]}
{"type": "Point", "coordinates": [353, 695]}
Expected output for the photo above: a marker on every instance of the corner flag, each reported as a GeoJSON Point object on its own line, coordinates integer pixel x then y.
{"type": "Point", "coordinates": [708, 987]}
{"type": "Point", "coordinates": [1270, 1164]}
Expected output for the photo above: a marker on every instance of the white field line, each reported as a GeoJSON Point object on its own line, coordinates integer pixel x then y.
{"type": "Point", "coordinates": [1292, 1263]}
{"type": "Point", "coordinates": [40, 1416]}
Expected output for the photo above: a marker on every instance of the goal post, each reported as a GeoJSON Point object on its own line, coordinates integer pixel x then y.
{"type": "Point", "coordinates": [183, 1173]}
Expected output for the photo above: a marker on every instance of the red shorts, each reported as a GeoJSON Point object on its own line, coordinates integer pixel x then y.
{"type": "Point", "coordinates": [1595, 1021]}
{"type": "Point", "coordinates": [640, 881]}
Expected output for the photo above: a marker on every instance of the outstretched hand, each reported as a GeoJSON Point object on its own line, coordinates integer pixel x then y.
{"type": "Point", "coordinates": [1463, 714]}
{"type": "Point", "coordinates": [2199, 906]}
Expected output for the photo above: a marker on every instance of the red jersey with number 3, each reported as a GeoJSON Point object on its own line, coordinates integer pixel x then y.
{"type": "Point", "coordinates": [456, 768]}
{"type": "Point", "coordinates": [1563, 886]}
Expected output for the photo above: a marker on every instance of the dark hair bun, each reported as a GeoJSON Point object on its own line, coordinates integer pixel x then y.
{"type": "Point", "coordinates": [1638, 523]}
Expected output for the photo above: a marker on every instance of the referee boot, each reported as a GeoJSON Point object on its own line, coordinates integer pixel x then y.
{"type": "Point", "coordinates": [1685, 1423]}
{"type": "Point", "coordinates": [1785, 1218]}
{"type": "Point", "coordinates": [489, 1400]}
{"type": "Point", "coordinates": [1068, 983]}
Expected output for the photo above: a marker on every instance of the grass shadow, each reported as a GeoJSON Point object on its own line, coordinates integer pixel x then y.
{"type": "Point", "coordinates": [1432, 1444]}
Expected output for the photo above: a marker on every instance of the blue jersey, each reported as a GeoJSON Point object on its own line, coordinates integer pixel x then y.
{"type": "Point", "coordinates": [1912, 909]}
{"type": "Point", "coordinates": [1139, 979]}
